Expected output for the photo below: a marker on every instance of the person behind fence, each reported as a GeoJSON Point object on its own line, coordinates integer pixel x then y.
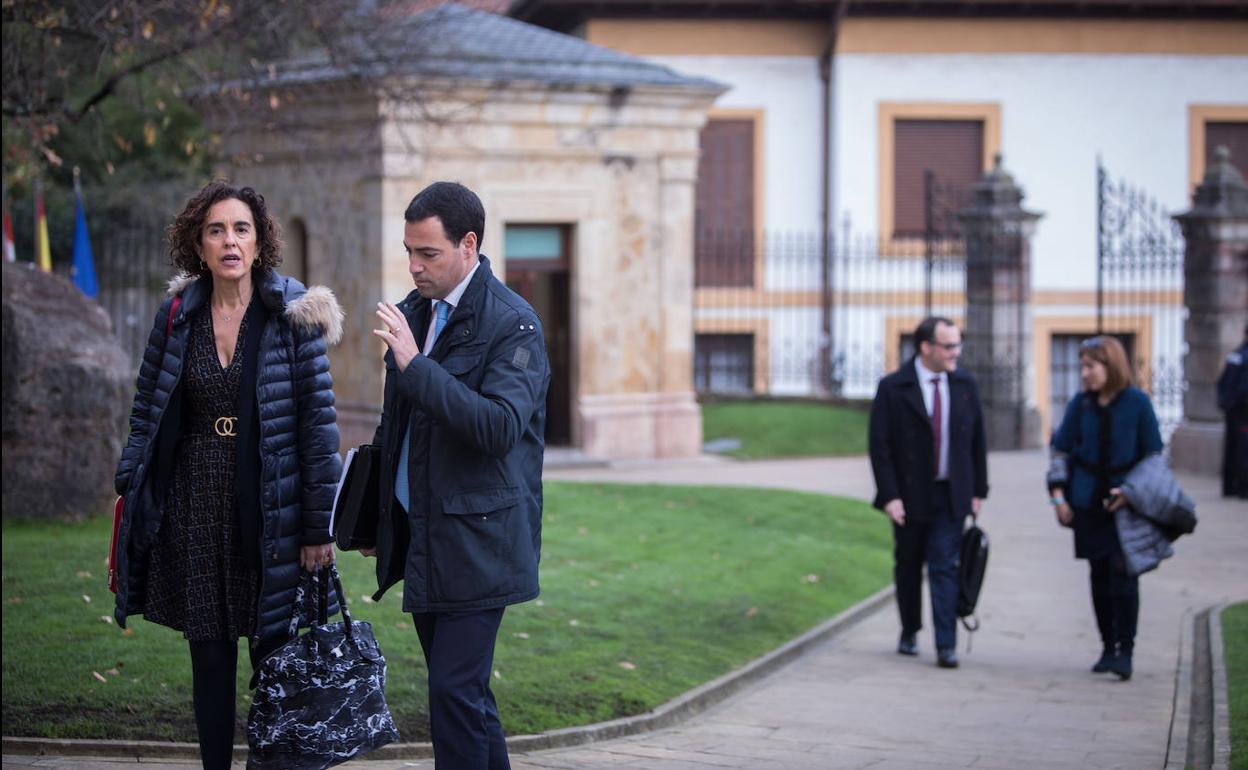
{"type": "Point", "coordinates": [1233, 401]}
{"type": "Point", "coordinates": [1108, 427]}
{"type": "Point", "coordinates": [230, 468]}
{"type": "Point", "coordinates": [462, 433]}
{"type": "Point", "coordinates": [929, 457]}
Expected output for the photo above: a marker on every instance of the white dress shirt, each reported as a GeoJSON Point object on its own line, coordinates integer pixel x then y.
{"type": "Point", "coordinates": [925, 382]}
{"type": "Point", "coordinates": [452, 299]}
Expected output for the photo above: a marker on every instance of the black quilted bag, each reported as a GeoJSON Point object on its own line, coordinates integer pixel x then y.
{"type": "Point", "coordinates": [320, 698]}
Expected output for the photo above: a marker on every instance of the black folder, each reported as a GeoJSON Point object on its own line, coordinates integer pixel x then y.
{"type": "Point", "coordinates": [359, 496]}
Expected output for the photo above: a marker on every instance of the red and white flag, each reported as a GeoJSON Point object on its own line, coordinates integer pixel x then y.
{"type": "Point", "coordinates": [10, 252]}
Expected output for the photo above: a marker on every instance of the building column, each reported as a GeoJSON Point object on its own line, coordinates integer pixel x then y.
{"type": "Point", "coordinates": [678, 427]}
{"type": "Point", "coordinates": [1215, 291]}
{"type": "Point", "coordinates": [997, 343]}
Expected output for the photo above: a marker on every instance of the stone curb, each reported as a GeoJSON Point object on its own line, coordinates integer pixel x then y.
{"type": "Point", "coordinates": [675, 711]}
{"type": "Point", "coordinates": [1180, 720]}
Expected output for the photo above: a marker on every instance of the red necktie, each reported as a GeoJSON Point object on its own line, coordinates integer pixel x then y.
{"type": "Point", "coordinates": [936, 425]}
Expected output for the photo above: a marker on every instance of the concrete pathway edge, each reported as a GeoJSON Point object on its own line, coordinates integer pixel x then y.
{"type": "Point", "coordinates": [666, 715]}
{"type": "Point", "coordinates": [1181, 717]}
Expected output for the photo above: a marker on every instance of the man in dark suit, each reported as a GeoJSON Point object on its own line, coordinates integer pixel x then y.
{"type": "Point", "coordinates": [1233, 400]}
{"type": "Point", "coordinates": [930, 463]}
{"type": "Point", "coordinates": [462, 437]}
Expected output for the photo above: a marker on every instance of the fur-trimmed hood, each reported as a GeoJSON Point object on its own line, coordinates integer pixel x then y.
{"type": "Point", "coordinates": [307, 308]}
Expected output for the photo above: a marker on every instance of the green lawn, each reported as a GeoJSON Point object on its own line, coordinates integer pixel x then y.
{"type": "Point", "coordinates": [786, 429]}
{"type": "Point", "coordinates": [1235, 647]}
{"type": "Point", "coordinates": [647, 592]}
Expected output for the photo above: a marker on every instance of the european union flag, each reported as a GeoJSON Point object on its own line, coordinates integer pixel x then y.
{"type": "Point", "coordinates": [84, 260]}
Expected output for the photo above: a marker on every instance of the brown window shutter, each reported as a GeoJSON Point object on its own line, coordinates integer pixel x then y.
{"type": "Point", "coordinates": [724, 205]}
{"type": "Point", "coordinates": [952, 149]}
{"type": "Point", "coordinates": [1234, 135]}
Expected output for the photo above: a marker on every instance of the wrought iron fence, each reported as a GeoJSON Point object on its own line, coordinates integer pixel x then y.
{"type": "Point", "coordinates": [771, 334]}
{"type": "Point", "coordinates": [1139, 292]}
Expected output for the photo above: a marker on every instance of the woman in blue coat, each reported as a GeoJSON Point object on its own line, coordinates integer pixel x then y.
{"type": "Point", "coordinates": [232, 461]}
{"type": "Point", "coordinates": [1107, 429]}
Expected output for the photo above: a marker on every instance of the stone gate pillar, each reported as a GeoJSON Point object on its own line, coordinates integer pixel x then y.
{"type": "Point", "coordinates": [1215, 292]}
{"type": "Point", "coordinates": [997, 340]}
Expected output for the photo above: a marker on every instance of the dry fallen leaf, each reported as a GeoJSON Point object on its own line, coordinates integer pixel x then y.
{"type": "Point", "coordinates": [624, 664]}
{"type": "Point", "coordinates": [540, 603]}
{"type": "Point", "coordinates": [106, 619]}
{"type": "Point", "coordinates": [593, 584]}
{"type": "Point", "coordinates": [86, 598]}
{"type": "Point", "coordinates": [82, 573]}
{"type": "Point", "coordinates": [127, 632]}
{"type": "Point", "coordinates": [811, 579]}
{"type": "Point", "coordinates": [574, 622]}
{"type": "Point", "coordinates": [13, 600]}
{"type": "Point", "coordinates": [751, 612]}
{"type": "Point", "coordinates": [113, 672]}
{"type": "Point", "coordinates": [520, 635]}
{"type": "Point", "coordinates": [99, 676]}
{"type": "Point", "coordinates": [402, 624]}
{"type": "Point", "coordinates": [367, 599]}
{"type": "Point", "coordinates": [582, 531]}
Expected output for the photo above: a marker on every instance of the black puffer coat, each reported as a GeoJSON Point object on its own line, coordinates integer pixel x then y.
{"type": "Point", "coordinates": [298, 439]}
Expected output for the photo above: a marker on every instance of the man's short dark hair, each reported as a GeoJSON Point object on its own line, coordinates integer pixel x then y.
{"type": "Point", "coordinates": [458, 207]}
{"type": "Point", "coordinates": [926, 330]}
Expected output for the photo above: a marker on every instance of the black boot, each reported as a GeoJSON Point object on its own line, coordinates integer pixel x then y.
{"type": "Point", "coordinates": [1120, 665]}
{"type": "Point", "coordinates": [1101, 666]}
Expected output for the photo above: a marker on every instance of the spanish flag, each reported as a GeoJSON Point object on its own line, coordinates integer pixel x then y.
{"type": "Point", "coordinates": [43, 251]}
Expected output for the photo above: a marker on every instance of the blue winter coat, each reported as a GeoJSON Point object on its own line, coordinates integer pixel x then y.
{"type": "Point", "coordinates": [298, 453]}
{"type": "Point", "coordinates": [477, 405]}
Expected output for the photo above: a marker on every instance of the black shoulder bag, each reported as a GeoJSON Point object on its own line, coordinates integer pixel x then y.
{"type": "Point", "coordinates": [321, 696]}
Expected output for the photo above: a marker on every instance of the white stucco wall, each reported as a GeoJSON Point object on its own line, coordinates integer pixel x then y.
{"type": "Point", "coordinates": [1057, 113]}
{"type": "Point", "coordinates": [788, 91]}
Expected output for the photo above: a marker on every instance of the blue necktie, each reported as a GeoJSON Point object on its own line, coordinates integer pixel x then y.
{"type": "Point", "coordinates": [442, 311]}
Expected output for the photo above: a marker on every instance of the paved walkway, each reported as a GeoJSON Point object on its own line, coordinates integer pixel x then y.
{"type": "Point", "coordinates": [1023, 697]}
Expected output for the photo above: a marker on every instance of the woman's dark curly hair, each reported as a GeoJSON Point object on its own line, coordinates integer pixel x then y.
{"type": "Point", "coordinates": [185, 232]}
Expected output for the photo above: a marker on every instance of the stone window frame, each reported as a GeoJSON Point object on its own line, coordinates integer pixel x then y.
{"type": "Point", "coordinates": [1197, 116]}
{"type": "Point", "coordinates": [887, 114]}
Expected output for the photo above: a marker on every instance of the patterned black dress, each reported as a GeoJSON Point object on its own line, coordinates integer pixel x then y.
{"type": "Point", "coordinates": [198, 582]}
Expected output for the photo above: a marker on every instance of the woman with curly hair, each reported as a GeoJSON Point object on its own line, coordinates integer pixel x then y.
{"type": "Point", "coordinates": [232, 461]}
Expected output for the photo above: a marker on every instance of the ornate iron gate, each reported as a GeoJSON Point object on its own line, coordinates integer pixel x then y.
{"type": "Point", "coordinates": [1139, 289]}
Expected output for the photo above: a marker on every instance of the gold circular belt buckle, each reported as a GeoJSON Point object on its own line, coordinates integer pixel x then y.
{"type": "Point", "coordinates": [224, 426]}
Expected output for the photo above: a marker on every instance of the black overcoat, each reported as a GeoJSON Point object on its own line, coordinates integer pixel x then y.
{"type": "Point", "coordinates": [901, 444]}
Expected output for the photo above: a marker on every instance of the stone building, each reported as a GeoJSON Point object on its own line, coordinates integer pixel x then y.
{"type": "Point", "coordinates": [585, 159]}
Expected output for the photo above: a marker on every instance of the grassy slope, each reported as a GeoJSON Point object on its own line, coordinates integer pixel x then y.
{"type": "Point", "coordinates": [787, 429]}
{"type": "Point", "coordinates": [678, 584]}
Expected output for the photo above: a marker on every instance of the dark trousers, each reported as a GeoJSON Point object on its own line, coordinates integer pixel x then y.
{"type": "Point", "coordinates": [214, 667]}
{"type": "Point", "coordinates": [1116, 600]}
{"type": "Point", "coordinates": [463, 717]}
{"type": "Point", "coordinates": [936, 543]}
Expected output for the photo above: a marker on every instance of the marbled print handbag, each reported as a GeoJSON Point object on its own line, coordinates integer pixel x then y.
{"type": "Point", "coordinates": [320, 698]}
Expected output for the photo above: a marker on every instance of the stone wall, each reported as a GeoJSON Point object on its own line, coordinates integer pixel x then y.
{"type": "Point", "coordinates": [618, 168]}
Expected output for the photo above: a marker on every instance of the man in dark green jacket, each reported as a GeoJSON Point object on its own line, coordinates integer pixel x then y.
{"type": "Point", "coordinates": [461, 434]}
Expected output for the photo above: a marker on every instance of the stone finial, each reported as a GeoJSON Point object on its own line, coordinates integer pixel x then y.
{"type": "Point", "coordinates": [996, 190]}
{"type": "Point", "coordinates": [1223, 190]}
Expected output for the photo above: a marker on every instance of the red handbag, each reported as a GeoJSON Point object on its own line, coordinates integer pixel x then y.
{"type": "Point", "coordinates": [120, 505]}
